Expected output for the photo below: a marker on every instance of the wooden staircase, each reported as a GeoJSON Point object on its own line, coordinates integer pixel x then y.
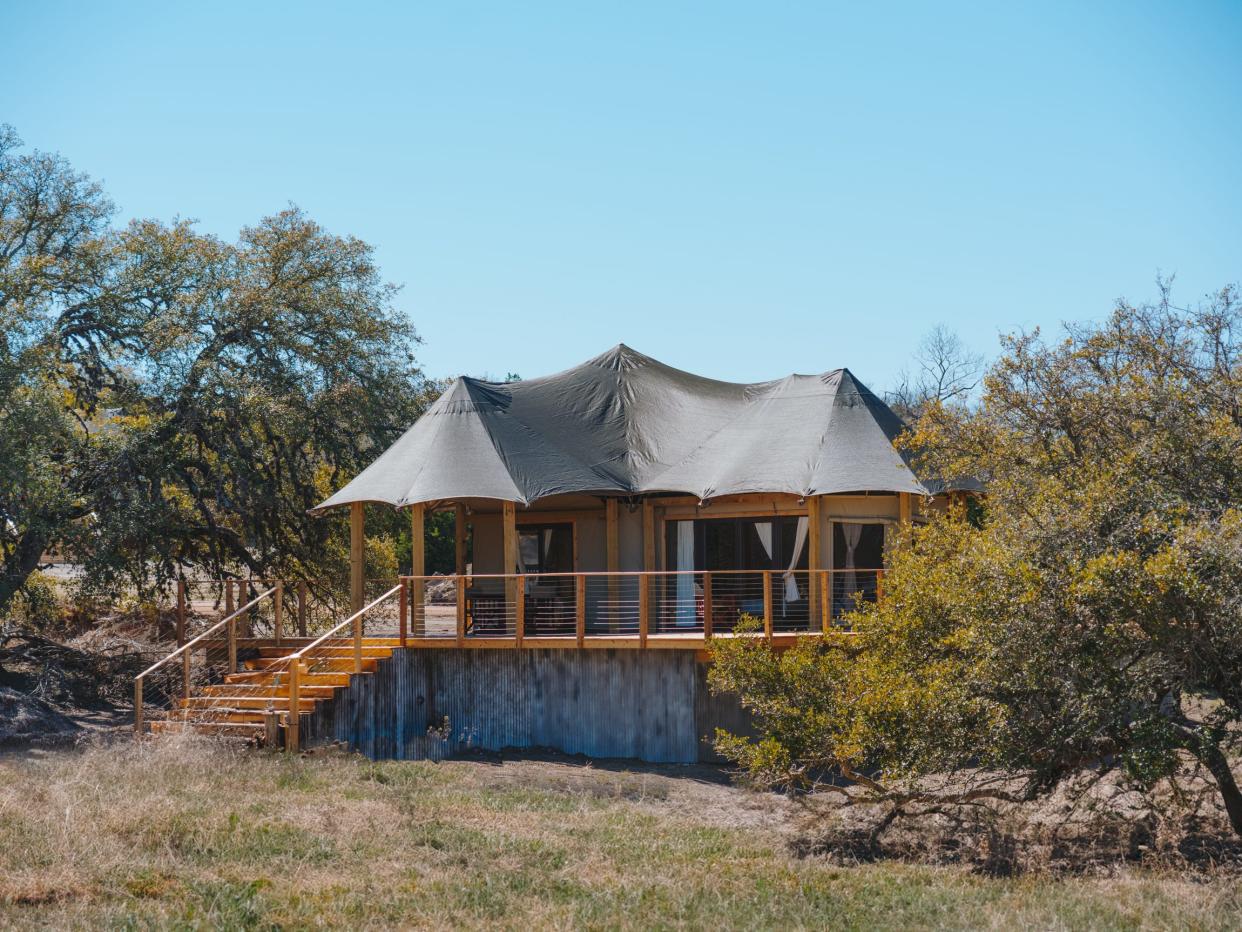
{"type": "Point", "coordinates": [243, 705]}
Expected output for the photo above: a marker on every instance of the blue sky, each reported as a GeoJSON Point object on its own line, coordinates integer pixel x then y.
{"type": "Point", "coordinates": [742, 190]}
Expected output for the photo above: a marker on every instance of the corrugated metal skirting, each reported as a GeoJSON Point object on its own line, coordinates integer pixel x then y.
{"type": "Point", "coordinates": [429, 704]}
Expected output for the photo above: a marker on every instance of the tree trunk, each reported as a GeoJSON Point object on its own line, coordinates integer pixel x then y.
{"type": "Point", "coordinates": [1214, 759]}
{"type": "Point", "coordinates": [23, 561]}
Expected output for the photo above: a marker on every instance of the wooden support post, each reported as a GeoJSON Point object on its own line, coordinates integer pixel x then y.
{"type": "Point", "coordinates": [278, 610]}
{"type": "Point", "coordinates": [519, 616]}
{"type": "Point", "coordinates": [138, 707]}
{"type": "Point", "coordinates": [232, 629]}
{"type": "Point", "coordinates": [707, 605]}
{"type": "Point", "coordinates": [826, 600]}
{"type": "Point", "coordinates": [271, 728]}
{"type": "Point", "coordinates": [228, 597]}
{"type": "Point", "coordinates": [580, 607]}
{"type": "Point", "coordinates": [418, 568]}
{"type": "Point", "coordinates": [293, 731]}
{"type": "Point", "coordinates": [403, 611]}
{"type": "Point", "coordinates": [814, 558]}
{"type": "Point", "coordinates": [302, 609]}
{"type": "Point", "coordinates": [905, 506]}
{"type": "Point", "coordinates": [357, 556]}
{"type": "Point", "coordinates": [358, 644]}
{"type": "Point", "coordinates": [459, 538]}
{"type": "Point", "coordinates": [461, 610]}
{"type": "Point", "coordinates": [644, 608]}
{"type": "Point", "coordinates": [767, 604]}
{"type": "Point", "coordinates": [185, 674]}
{"type": "Point", "coordinates": [613, 543]}
{"type": "Point", "coordinates": [180, 612]}
{"type": "Point", "coordinates": [649, 566]}
{"type": "Point", "coordinates": [513, 593]}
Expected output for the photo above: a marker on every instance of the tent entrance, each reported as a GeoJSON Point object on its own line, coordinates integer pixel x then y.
{"type": "Point", "coordinates": [737, 551]}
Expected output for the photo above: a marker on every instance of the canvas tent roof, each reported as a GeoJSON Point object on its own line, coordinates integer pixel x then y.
{"type": "Point", "coordinates": [624, 423]}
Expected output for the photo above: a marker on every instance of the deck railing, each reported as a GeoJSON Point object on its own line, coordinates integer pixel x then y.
{"type": "Point", "coordinates": [205, 641]}
{"type": "Point", "coordinates": [626, 609]}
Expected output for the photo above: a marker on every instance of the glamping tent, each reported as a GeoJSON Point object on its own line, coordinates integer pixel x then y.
{"type": "Point", "coordinates": [617, 507]}
{"type": "Point", "coordinates": [625, 424]}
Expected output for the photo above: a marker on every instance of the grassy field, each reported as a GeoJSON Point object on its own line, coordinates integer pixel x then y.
{"type": "Point", "coordinates": [190, 834]}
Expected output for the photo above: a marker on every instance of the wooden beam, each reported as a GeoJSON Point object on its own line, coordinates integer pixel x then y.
{"type": "Point", "coordinates": [649, 565]}
{"type": "Point", "coordinates": [580, 607]}
{"type": "Point", "coordinates": [459, 538]}
{"type": "Point", "coordinates": [905, 506]}
{"type": "Point", "coordinates": [613, 544]}
{"type": "Point", "coordinates": [519, 615]}
{"type": "Point", "coordinates": [357, 556]}
{"type": "Point", "coordinates": [403, 612]}
{"type": "Point", "coordinates": [460, 530]}
{"type": "Point", "coordinates": [767, 604]}
{"type": "Point", "coordinates": [707, 605]}
{"type": "Point", "coordinates": [814, 512]}
{"type": "Point", "coordinates": [418, 568]}
{"type": "Point", "coordinates": [460, 586]}
{"type": "Point", "coordinates": [511, 557]}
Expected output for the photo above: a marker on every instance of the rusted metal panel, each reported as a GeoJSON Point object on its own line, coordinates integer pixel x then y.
{"type": "Point", "coordinates": [428, 704]}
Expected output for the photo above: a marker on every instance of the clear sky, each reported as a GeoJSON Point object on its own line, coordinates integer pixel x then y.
{"type": "Point", "coordinates": [740, 189]}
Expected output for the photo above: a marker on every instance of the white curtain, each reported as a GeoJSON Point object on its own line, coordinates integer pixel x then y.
{"type": "Point", "coordinates": [852, 533]}
{"type": "Point", "coordinates": [764, 530]}
{"type": "Point", "coordinates": [792, 593]}
{"type": "Point", "coordinates": [528, 547]}
{"type": "Point", "coordinates": [685, 581]}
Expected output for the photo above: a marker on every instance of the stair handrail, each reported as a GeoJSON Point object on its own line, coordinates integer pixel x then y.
{"type": "Point", "coordinates": [293, 722]}
{"type": "Point", "coordinates": [184, 652]}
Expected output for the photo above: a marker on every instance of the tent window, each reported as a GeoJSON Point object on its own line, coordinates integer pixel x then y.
{"type": "Point", "coordinates": [767, 543]}
{"type": "Point", "coordinates": [546, 548]}
{"type": "Point", "coordinates": [868, 548]}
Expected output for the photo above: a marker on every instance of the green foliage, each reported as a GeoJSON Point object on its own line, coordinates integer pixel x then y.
{"type": "Point", "coordinates": [170, 401]}
{"type": "Point", "coordinates": [38, 604]}
{"type": "Point", "coordinates": [1090, 616]}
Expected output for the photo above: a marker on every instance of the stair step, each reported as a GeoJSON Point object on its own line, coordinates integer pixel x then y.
{"type": "Point", "coordinates": [210, 716]}
{"type": "Point", "coordinates": [223, 703]}
{"type": "Point", "coordinates": [258, 690]}
{"type": "Point", "coordinates": [230, 729]}
{"type": "Point", "coordinates": [324, 650]}
{"type": "Point", "coordinates": [267, 678]}
{"type": "Point", "coordinates": [318, 665]}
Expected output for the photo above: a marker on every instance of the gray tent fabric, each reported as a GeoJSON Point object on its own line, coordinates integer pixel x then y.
{"type": "Point", "coordinates": [626, 424]}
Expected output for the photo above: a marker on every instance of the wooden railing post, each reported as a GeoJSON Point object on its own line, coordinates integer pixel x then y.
{"type": "Point", "coordinates": [180, 612]}
{"type": "Point", "coordinates": [293, 735]}
{"type": "Point", "coordinates": [185, 674]}
{"type": "Point", "coordinates": [228, 597]}
{"type": "Point", "coordinates": [644, 608]}
{"type": "Point", "coordinates": [707, 605]}
{"type": "Point", "coordinates": [826, 600]}
{"type": "Point", "coordinates": [519, 614]}
{"type": "Point", "coordinates": [302, 608]}
{"type": "Point", "coordinates": [358, 642]}
{"type": "Point", "coordinates": [403, 610]}
{"type": "Point", "coordinates": [580, 607]}
{"type": "Point", "coordinates": [278, 610]}
{"type": "Point", "coordinates": [138, 706]}
{"type": "Point", "coordinates": [461, 609]}
{"type": "Point", "coordinates": [767, 604]}
{"type": "Point", "coordinates": [232, 631]}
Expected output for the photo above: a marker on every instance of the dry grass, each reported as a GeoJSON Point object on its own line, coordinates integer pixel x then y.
{"type": "Point", "coordinates": [192, 834]}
